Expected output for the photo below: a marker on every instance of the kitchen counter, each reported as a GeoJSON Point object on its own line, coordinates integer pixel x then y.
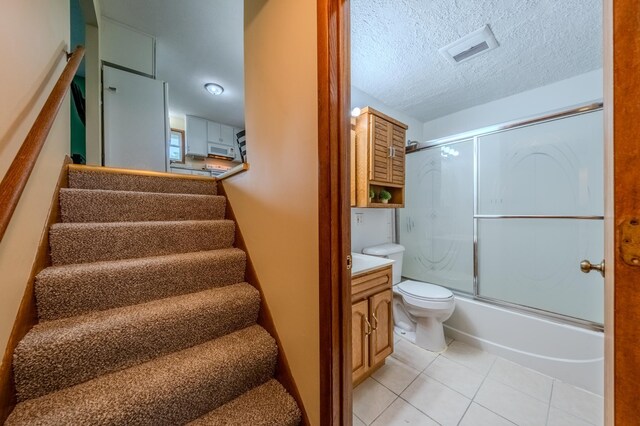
{"type": "Point", "coordinates": [362, 263]}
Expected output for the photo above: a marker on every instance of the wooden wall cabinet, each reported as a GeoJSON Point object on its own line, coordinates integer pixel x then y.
{"type": "Point", "coordinates": [372, 322]}
{"type": "Point", "coordinates": [380, 158]}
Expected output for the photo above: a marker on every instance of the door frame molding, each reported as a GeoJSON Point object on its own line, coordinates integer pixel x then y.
{"type": "Point", "coordinates": [334, 211]}
{"type": "Point", "coordinates": [622, 203]}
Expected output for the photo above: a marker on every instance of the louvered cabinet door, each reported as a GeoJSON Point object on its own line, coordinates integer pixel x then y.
{"type": "Point", "coordinates": [381, 134]}
{"type": "Point", "coordinates": [360, 330]}
{"type": "Point", "coordinates": [396, 164]}
{"type": "Point", "coordinates": [381, 318]}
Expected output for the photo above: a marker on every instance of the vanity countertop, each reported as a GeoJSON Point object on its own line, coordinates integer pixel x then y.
{"type": "Point", "coordinates": [363, 263]}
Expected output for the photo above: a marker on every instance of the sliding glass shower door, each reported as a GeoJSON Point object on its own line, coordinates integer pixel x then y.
{"type": "Point", "coordinates": [539, 213]}
{"type": "Point", "coordinates": [507, 216]}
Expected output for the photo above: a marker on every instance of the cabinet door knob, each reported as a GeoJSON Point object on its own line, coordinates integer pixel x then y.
{"type": "Point", "coordinates": [375, 321]}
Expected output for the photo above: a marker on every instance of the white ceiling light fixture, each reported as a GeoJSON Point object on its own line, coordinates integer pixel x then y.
{"type": "Point", "coordinates": [355, 112]}
{"type": "Point", "coordinates": [214, 89]}
{"type": "Point", "coordinates": [469, 46]}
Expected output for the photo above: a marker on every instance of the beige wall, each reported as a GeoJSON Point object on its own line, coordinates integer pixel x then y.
{"type": "Point", "coordinates": [34, 34]}
{"type": "Point", "coordinates": [276, 201]}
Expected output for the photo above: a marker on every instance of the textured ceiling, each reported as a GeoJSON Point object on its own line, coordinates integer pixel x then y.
{"type": "Point", "coordinates": [395, 49]}
{"type": "Point", "coordinates": [198, 41]}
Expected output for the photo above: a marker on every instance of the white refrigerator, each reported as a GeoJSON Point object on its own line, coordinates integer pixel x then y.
{"type": "Point", "coordinates": [135, 121]}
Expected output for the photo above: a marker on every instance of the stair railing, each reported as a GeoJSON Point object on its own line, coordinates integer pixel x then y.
{"type": "Point", "coordinates": [19, 171]}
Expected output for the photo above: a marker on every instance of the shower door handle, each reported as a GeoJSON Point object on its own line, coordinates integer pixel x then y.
{"type": "Point", "coordinates": [586, 267]}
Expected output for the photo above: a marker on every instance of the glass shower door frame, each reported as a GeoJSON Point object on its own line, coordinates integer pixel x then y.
{"type": "Point", "coordinates": [572, 112]}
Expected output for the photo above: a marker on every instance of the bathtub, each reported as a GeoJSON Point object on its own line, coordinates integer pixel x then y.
{"type": "Point", "coordinates": [571, 354]}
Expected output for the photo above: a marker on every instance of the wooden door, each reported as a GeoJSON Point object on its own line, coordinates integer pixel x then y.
{"type": "Point", "coordinates": [360, 331]}
{"type": "Point", "coordinates": [396, 171]}
{"type": "Point", "coordinates": [381, 317]}
{"type": "Point", "coordinates": [381, 132]}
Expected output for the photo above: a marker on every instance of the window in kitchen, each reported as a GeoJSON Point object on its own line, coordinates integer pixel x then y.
{"type": "Point", "coordinates": [176, 146]}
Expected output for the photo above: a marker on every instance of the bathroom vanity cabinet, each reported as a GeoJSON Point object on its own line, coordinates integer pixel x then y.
{"type": "Point", "coordinates": [372, 321]}
{"type": "Point", "coordinates": [380, 158]}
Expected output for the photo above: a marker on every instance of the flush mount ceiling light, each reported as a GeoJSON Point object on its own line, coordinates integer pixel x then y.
{"type": "Point", "coordinates": [214, 89]}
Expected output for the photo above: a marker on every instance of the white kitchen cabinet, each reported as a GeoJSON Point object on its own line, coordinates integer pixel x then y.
{"type": "Point", "coordinates": [201, 173]}
{"type": "Point", "coordinates": [196, 136]}
{"type": "Point", "coordinates": [220, 134]}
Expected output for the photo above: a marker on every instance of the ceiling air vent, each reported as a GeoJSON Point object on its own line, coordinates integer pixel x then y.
{"type": "Point", "coordinates": [469, 46]}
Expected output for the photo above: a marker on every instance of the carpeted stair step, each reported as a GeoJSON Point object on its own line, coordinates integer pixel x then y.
{"type": "Point", "coordinates": [97, 205]}
{"type": "Point", "coordinates": [58, 354]}
{"type": "Point", "coordinates": [170, 390]}
{"type": "Point", "coordinates": [69, 290]}
{"type": "Point", "coordinates": [88, 177]}
{"type": "Point", "coordinates": [266, 405]}
{"type": "Point", "coordinates": [94, 242]}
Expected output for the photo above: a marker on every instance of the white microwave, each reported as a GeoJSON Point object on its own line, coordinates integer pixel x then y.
{"type": "Point", "coordinates": [219, 150]}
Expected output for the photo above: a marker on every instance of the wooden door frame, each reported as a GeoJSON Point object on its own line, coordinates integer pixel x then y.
{"type": "Point", "coordinates": [334, 211]}
{"type": "Point", "coordinates": [622, 299]}
{"type": "Point", "coordinates": [622, 192]}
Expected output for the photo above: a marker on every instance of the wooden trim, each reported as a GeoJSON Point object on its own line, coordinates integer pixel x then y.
{"type": "Point", "coordinates": [233, 171]}
{"type": "Point", "coordinates": [117, 171]}
{"type": "Point", "coordinates": [25, 160]}
{"type": "Point", "coordinates": [622, 153]}
{"type": "Point", "coordinates": [27, 315]}
{"type": "Point", "coordinates": [334, 216]}
{"type": "Point", "coordinates": [265, 320]}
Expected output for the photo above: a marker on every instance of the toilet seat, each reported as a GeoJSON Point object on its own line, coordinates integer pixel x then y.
{"type": "Point", "coordinates": [424, 291]}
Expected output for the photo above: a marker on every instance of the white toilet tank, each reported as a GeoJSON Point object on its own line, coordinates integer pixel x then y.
{"type": "Point", "coordinates": [390, 251]}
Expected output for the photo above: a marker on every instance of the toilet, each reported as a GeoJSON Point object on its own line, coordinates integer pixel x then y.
{"type": "Point", "coordinates": [419, 308]}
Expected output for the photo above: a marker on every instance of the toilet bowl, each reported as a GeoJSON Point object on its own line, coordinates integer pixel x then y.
{"type": "Point", "coordinates": [419, 308]}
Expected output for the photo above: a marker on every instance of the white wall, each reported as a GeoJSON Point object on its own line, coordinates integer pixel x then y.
{"type": "Point", "coordinates": [572, 91]}
{"type": "Point", "coordinates": [370, 227]}
{"type": "Point", "coordinates": [361, 99]}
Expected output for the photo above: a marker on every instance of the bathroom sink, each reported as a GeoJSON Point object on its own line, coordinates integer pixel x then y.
{"type": "Point", "coordinates": [364, 263]}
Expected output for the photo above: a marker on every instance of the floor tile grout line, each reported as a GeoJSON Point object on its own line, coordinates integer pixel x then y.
{"type": "Point", "coordinates": [417, 408]}
{"type": "Point", "coordinates": [383, 411]}
{"type": "Point", "coordinates": [491, 411]}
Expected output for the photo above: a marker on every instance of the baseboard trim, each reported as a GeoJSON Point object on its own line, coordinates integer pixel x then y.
{"type": "Point", "coordinates": [265, 320]}
{"type": "Point", "coordinates": [27, 315]}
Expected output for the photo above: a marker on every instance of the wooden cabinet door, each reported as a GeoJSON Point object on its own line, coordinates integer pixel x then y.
{"type": "Point", "coordinates": [360, 329]}
{"type": "Point", "coordinates": [381, 318]}
{"type": "Point", "coordinates": [381, 133]}
{"type": "Point", "coordinates": [397, 160]}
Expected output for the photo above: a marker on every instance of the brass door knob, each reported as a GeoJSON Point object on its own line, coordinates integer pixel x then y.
{"type": "Point", "coordinates": [586, 267]}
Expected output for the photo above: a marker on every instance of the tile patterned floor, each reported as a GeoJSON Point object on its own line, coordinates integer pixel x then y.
{"type": "Point", "coordinates": [468, 387]}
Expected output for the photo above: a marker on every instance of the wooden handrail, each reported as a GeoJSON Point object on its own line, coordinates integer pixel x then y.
{"type": "Point", "coordinates": [233, 171]}
{"type": "Point", "coordinates": [17, 175]}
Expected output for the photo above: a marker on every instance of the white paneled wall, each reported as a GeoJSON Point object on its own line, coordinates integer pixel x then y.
{"type": "Point", "coordinates": [370, 227]}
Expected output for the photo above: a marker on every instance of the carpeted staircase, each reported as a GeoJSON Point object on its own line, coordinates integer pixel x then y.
{"type": "Point", "coordinates": [144, 315]}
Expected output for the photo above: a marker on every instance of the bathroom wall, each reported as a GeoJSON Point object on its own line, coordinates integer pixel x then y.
{"type": "Point", "coordinates": [370, 227]}
{"type": "Point", "coordinates": [361, 99]}
{"type": "Point", "coordinates": [572, 91]}
{"type": "Point", "coordinates": [377, 225]}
